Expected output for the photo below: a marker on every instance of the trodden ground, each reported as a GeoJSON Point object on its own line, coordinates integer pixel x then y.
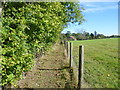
{"type": "Point", "coordinates": [50, 71]}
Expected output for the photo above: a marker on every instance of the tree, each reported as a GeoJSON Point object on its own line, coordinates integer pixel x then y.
{"type": "Point", "coordinates": [63, 38]}
{"type": "Point", "coordinates": [73, 12]}
{"type": "Point", "coordinates": [68, 34]}
{"type": "Point", "coordinates": [95, 34]}
{"type": "Point", "coordinates": [87, 35]}
{"type": "Point", "coordinates": [100, 36]}
{"type": "Point", "coordinates": [91, 35]}
{"type": "Point", "coordinates": [73, 34]}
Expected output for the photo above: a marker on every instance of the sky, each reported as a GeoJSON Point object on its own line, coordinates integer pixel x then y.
{"type": "Point", "coordinates": [100, 16]}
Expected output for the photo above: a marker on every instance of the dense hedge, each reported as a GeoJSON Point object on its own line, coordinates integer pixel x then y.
{"type": "Point", "coordinates": [27, 27]}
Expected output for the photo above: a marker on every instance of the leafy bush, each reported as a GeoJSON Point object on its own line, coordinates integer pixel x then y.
{"type": "Point", "coordinates": [28, 27]}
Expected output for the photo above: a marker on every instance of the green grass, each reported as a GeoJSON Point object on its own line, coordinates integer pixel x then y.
{"type": "Point", "coordinates": [100, 63]}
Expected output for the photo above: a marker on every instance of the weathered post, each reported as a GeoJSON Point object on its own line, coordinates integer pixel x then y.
{"type": "Point", "coordinates": [70, 54]}
{"type": "Point", "coordinates": [81, 63]}
{"type": "Point", "coordinates": [67, 48]}
{"type": "Point", "coordinates": [64, 43]}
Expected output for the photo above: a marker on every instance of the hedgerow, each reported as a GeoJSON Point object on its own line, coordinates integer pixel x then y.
{"type": "Point", "coordinates": [28, 27]}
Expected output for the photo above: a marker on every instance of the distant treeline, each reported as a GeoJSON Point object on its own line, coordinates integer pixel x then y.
{"type": "Point", "coordinates": [85, 36]}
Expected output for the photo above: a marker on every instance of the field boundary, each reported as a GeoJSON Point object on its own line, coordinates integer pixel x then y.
{"type": "Point", "coordinates": [77, 72]}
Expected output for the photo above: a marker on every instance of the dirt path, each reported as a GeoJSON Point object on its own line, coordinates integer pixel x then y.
{"type": "Point", "coordinates": [50, 71]}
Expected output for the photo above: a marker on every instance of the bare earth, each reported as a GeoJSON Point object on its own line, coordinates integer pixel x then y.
{"type": "Point", "coordinates": [51, 71]}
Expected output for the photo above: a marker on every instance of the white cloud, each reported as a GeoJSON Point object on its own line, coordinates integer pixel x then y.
{"type": "Point", "coordinates": [89, 4]}
{"type": "Point", "coordinates": [99, 0]}
{"type": "Point", "coordinates": [100, 8]}
{"type": "Point", "coordinates": [93, 7]}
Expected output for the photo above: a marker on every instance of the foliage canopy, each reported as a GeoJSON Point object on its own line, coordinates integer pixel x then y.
{"type": "Point", "coordinates": [26, 28]}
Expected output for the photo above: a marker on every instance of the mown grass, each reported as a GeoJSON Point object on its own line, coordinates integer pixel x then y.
{"type": "Point", "coordinates": [100, 63]}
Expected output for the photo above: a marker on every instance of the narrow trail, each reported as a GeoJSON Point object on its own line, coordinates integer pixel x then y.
{"type": "Point", "coordinates": [50, 71]}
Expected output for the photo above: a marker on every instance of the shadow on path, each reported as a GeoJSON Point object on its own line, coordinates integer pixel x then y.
{"type": "Point", "coordinates": [54, 69]}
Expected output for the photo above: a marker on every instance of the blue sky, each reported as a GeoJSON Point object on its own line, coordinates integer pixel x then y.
{"type": "Point", "coordinates": [100, 16]}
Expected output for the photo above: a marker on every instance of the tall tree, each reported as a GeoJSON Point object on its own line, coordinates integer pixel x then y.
{"type": "Point", "coordinates": [92, 35]}
{"type": "Point", "coordinates": [68, 34]}
{"type": "Point", "coordinates": [95, 34]}
{"type": "Point", "coordinates": [73, 12]}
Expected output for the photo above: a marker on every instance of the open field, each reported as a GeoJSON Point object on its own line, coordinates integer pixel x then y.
{"type": "Point", "coordinates": [101, 62]}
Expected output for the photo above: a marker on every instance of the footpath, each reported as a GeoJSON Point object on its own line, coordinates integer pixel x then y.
{"type": "Point", "coordinates": [50, 71]}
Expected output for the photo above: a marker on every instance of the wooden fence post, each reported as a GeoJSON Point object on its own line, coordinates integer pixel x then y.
{"type": "Point", "coordinates": [70, 54]}
{"type": "Point", "coordinates": [81, 63]}
{"type": "Point", "coordinates": [67, 48]}
{"type": "Point", "coordinates": [64, 43]}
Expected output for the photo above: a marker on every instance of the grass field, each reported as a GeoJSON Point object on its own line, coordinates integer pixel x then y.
{"type": "Point", "coordinates": [101, 62]}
